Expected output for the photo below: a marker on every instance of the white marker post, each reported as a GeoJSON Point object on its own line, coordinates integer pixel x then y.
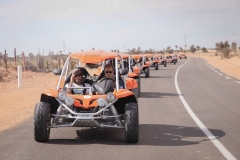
{"type": "Point", "coordinates": [19, 76]}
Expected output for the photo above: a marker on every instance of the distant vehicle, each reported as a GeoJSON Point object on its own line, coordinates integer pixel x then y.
{"type": "Point", "coordinates": [182, 55]}
{"type": "Point", "coordinates": [171, 58]}
{"type": "Point", "coordinates": [153, 60]}
{"type": "Point", "coordinates": [162, 60]}
{"type": "Point", "coordinates": [143, 62]}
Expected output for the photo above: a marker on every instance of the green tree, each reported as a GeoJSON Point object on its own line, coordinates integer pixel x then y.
{"type": "Point", "coordinates": [198, 48]}
{"type": "Point", "coordinates": [234, 47]}
{"type": "Point", "coordinates": [30, 55]}
{"type": "Point", "coordinates": [204, 50]}
{"type": "Point", "coordinates": [224, 49]}
{"type": "Point", "coordinates": [192, 49]}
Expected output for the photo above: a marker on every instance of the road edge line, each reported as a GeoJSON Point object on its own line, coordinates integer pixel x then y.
{"type": "Point", "coordinates": [210, 136]}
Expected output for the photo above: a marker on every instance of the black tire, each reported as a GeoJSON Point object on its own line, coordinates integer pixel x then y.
{"type": "Point", "coordinates": [147, 73]}
{"type": "Point", "coordinates": [165, 64]}
{"type": "Point", "coordinates": [57, 71]}
{"type": "Point", "coordinates": [180, 58]}
{"type": "Point", "coordinates": [156, 66]}
{"type": "Point", "coordinates": [41, 122]}
{"type": "Point", "coordinates": [139, 86]}
{"type": "Point", "coordinates": [174, 62]}
{"type": "Point", "coordinates": [131, 123]}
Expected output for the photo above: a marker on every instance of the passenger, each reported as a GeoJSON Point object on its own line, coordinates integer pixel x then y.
{"type": "Point", "coordinates": [77, 80]}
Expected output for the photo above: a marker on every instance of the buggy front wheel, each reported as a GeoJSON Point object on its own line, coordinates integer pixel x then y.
{"type": "Point", "coordinates": [42, 120]}
{"type": "Point", "coordinates": [131, 123]}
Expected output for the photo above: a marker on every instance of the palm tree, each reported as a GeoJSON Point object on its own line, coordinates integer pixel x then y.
{"type": "Point", "coordinates": [181, 49]}
{"type": "Point", "coordinates": [198, 48]}
{"type": "Point", "coordinates": [30, 56]}
{"type": "Point", "coordinates": [176, 47]}
{"type": "Point", "coordinates": [168, 49]}
{"type": "Point", "coordinates": [192, 49]}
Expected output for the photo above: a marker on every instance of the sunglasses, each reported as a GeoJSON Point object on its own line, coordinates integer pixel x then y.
{"type": "Point", "coordinates": [78, 75]}
{"type": "Point", "coordinates": [109, 72]}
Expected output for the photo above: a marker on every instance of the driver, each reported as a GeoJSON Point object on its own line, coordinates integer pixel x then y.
{"type": "Point", "coordinates": [77, 80]}
{"type": "Point", "coordinates": [109, 73]}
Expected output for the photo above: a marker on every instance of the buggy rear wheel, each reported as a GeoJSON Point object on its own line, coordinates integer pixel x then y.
{"type": "Point", "coordinates": [165, 64]}
{"type": "Point", "coordinates": [42, 120]}
{"type": "Point", "coordinates": [139, 86]}
{"type": "Point", "coordinates": [147, 73]}
{"type": "Point", "coordinates": [156, 66]}
{"type": "Point", "coordinates": [131, 123]}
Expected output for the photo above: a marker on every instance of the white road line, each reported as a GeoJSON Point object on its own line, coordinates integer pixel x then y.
{"type": "Point", "coordinates": [220, 74]}
{"type": "Point", "coordinates": [210, 136]}
{"type": "Point", "coordinates": [216, 71]}
{"type": "Point", "coordinates": [227, 77]}
{"type": "Point", "coordinates": [238, 82]}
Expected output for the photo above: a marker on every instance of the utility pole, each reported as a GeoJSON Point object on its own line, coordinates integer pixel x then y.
{"type": "Point", "coordinates": [64, 44]}
{"type": "Point", "coordinates": [185, 41]}
{"type": "Point", "coordinates": [124, 47]}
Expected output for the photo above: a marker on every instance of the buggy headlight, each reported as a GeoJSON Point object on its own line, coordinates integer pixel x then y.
{"type": "Point", "coordinates": [69, 101]}
{"type": "Point", "coordinates": [62, 95]}
{"type": "Point", "coordinates": [101, 102]}
{"type": "Point", "coordinates": [110, 97]}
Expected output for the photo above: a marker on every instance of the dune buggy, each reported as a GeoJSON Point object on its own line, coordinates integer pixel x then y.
{"type": "Point", "coordinates": [104, 106]}
{"type": "Point", "coordinates": [143, 62]}
{"type": "Point", "coordinates": [153, 60]}
{"type": "Point", "coordinates": [171, 58]}
{"type": "Point", "coordinates": [133, 70]}
{"type": "Point", "coordinates": [161, 60]}
{"type": "Point", "coordinates": [182, 55]}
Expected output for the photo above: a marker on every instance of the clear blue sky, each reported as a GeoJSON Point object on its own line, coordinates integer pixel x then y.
{"type": "Point", "coordinates": [111, 24]}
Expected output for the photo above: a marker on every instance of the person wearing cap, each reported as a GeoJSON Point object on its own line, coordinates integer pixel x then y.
{"type": "Point", "coordinates": [77, 80]}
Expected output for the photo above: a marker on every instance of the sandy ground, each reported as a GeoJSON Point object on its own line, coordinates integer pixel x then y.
{"type": "Point", "coordinates": [17, 104]}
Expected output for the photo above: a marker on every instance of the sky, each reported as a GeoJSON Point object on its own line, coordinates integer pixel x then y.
{"type": "Point", "coordinates": [46, 25]}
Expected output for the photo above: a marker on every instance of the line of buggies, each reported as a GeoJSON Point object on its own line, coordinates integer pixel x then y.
{"type": "Point", "coordinates": [106, 105]}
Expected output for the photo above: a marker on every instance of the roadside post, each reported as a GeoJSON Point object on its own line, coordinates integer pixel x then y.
{"type": "Point", "coordinates": [19, 76]}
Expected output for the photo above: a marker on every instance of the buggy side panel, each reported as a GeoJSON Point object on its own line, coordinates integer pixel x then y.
{"type": "Point", "coordinates": [132, 75]}
{"type": "Point", "coordinates": [120, 104]}
{"type": "Point", "coordinates": [123, 93]}
{"type": "Point", "coordinates": [136, 70]}
{"type": "Point", "coordinates": [131, 83]}
{"type": "Point", "coordinates": [51, 101]}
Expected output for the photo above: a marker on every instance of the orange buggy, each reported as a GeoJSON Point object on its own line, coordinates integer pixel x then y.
{"type": "Point", "coordinates": [162, 60]}
{"type": "Point", "coordinates": [143, 62]}
{"type": "Point", "coordinates": [104, 106]}
{"type": "Point", "coordinates": [153, 60]}
{"type": "Point", "coordinates": [133, 70]}
{"type": "Point", "coordinates": [182, 55]}
{"type": "Point", "coordinates": [171, 58]}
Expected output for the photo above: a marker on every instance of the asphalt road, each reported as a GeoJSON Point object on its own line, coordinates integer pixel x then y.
{"type": "Point", "coordinates": [167, 131]}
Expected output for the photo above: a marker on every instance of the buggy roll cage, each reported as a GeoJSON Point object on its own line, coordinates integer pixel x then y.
{"type": "Point", "coordinates": [93, 56]}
